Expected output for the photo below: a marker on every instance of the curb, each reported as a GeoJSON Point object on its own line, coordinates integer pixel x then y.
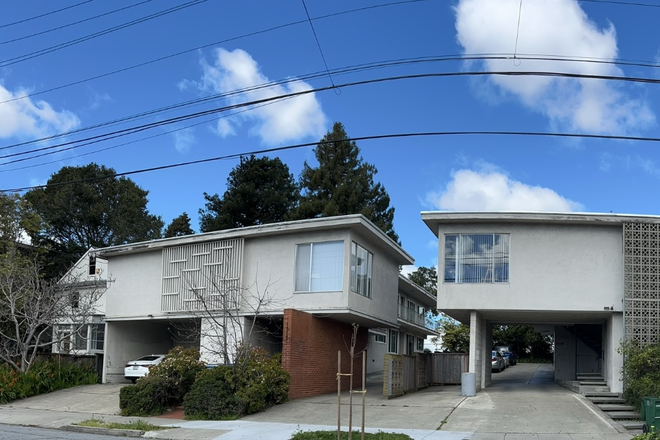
{"type": "Point", "coordinates": [103, 431]}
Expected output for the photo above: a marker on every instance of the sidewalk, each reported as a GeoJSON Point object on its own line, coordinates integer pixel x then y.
{"type": "Point", "coordinates": [522, 403]}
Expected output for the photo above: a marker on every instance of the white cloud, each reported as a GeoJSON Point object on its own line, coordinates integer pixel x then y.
{"type": "Point", "coordinates": [288, 120]}
{"type": "Point", "coordinates": [558, 29]}
{"type": "Point", "coordinates": [183, 140]}
{"type": "Point", "coordinates": [491, 190]}
{"type": "Point", "coordinates": [25, 118]}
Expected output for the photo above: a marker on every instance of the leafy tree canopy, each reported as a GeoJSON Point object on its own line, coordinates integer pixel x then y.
{"type": "Point", "coordinates": [455, 336]}
{"type": "Point", "coordinates": [98, 210]}
{"type": "Point", "coordinates": [343, 184]}
{"type": "Point", "coordinates": [426, 278]}
{"type": "Point", "coordinates": [180, 226]}
{"type": "Point", "coordinates": [523, 340]}
{"type": "Point", "coordinates": [259, 191]}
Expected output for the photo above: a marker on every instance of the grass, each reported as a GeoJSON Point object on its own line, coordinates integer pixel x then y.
{"type": "Point", "coordinates": [332, 435]}
{"type": "Point", "coordinates": [138, 425]}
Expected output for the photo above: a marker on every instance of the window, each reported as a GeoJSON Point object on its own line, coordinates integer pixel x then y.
{"type": "Point", "coordinates": [92, 265]}
{"type": "Point", "coordinates": [380, 338]}
{"type": "Point", "coordinates": [420, 344]}
{"type": "Point", "coordinates": [71, 341]}
{"type": "Point", "coordinates": [361, 270]}
{"type": "Point", "coordinates": [410, 339]}
{"type": "Point", "coordinates": [319, 267]}
{"type": "Point", "coordinates": [394, 342]}
{"type": "Point", "coordinates": [477, 258]}
{"type": "Point", "coordinates": [98, 335]}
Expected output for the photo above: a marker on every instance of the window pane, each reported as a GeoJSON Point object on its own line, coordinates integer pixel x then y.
{"type": "Point", "coordinates": [501, 258]}
{"type": "Point", "coordinates": [353, 266]}
{"type": "Point", "coordinates": [303, 255]}
{"type": "Point", "coordinates": [327, 265]}
{"type": "Point", "coordinates": [370, 263]}
{"type": "Point", "coordinates": [394, 337]}
{"type": "Point", "coordinates": [450, 258]}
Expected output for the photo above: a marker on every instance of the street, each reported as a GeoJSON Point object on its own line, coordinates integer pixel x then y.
{"type": "Point", "coordinates": [12, 432]}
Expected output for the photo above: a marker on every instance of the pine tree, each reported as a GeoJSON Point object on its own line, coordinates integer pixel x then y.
{"type": "Point", "coordinates": [180, 226]}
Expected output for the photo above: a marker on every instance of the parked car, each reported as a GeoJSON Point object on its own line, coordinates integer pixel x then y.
{"type": "Point", "coordinates": [509, 357]}
{"type": "Point", "coordinates": [498, 361]}
{"type": "Point", "coordinates": [513, 359]}
{"type": "Point", "coordinates": [140, 367]}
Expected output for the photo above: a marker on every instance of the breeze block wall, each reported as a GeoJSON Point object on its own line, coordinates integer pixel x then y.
{"type": "Point", "coordinates": [309, 353]}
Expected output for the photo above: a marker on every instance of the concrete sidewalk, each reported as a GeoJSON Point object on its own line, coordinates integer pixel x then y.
{"type": "Point", "coordinates": [522, 403]}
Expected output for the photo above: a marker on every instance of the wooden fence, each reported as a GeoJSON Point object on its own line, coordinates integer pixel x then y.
{"type": "Point", "coordinates": [408, 373]}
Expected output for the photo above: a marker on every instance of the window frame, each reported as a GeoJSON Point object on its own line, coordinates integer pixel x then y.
{"type": "Point", "coordinates": [420, 348]}
{"type": "Point", "coordinates": [486, 267]}
{"type": "Point", "coordinates": [380, 338]}
{"type": "Point", "coordinates": [393, 338]}
{"type": "Point", "coordinates": [365, 289]}
{"type": "Point", "coordinates": [298, 266]}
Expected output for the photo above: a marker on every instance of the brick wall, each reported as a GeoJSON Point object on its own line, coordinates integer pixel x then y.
{"type": "Point", "coordinates": [309, 353]}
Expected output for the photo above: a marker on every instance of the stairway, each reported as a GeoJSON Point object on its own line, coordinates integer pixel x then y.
{"type": "Point", "coordinates": [594, 388]}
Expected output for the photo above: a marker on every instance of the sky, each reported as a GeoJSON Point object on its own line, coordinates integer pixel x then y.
{"type": "Point", "coordinates": [379, 67]}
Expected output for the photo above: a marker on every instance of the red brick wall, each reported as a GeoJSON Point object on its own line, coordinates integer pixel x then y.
{"type": "Point", "coordinates": [309, 353]}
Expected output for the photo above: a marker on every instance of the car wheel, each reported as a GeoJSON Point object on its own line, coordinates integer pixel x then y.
{"type": "Point", "coordinates": [134, 379]}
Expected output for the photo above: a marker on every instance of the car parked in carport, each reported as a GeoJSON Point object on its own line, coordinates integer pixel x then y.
{"type": "Point", "coordinates": [140, 367]}
{"type": "Point", "coordinates": [498, 361]}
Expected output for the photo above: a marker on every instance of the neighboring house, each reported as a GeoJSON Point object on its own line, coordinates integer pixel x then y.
{"type": "Point", "coordinates": [591, 279]}
{"type": "Point", "coordinates": [88, 274]}
{"type": "Point", "coordinates": [293, 287]}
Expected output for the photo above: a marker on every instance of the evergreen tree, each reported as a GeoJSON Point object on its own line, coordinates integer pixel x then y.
{"type": "Point", "coordinates": [259, 191]}
{"type": "Point", "coordinates": [180, 226]}
{"type": "Point", "coordinates": [343, 184]}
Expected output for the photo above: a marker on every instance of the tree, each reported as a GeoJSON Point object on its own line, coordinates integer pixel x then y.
{"type": "Point", "coordinates": [455, 336]}
{"type": "Point", "coordinates": [30, 307]}
{"type": "Point", "coordinates": [426, 278]}
{"type": "Point", "coordinates": [180, 226]}
{"type": "Point", "coordinates": [259, 191]}
{"type": "Point", "coordinates": [523, 340]}
{"type": "Point", "coordinates": [343, 184]}
{"type": "Point", "coordinates": [88, 206]}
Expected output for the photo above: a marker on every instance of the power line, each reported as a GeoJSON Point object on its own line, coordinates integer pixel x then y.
{"type": "Point", "coordinates": [352, 139]}
{"type": "Point", "coordinates": [251, 34]}
{"type": "Point", "coordinates": [45, 14]}
{"type": "Point", "coordinates": [143, 127]}
{"type": "Point", "coordinates": [74, 23]}
{"type": "Point", "coordinates": [38, 53]}
{"type": "Point", "coordinates": [622, 3]}
{"type": "Point", "coordinates": [318, 44]}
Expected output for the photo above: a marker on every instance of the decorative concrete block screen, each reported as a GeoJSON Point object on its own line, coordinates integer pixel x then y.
{"type": "Point", "coordinates": [202, 276]}
{"type": "Point", "coordinates": [641, 245]}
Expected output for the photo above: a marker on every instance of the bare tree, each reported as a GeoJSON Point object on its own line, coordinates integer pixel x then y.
{"type": "Point", "coordinates": [30, 307]}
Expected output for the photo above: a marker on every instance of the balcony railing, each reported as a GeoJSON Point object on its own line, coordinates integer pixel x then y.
{"type": "Point", "coordinates": [412, 316]}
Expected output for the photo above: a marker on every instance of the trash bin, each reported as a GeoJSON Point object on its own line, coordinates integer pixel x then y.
{"type": "Point", "coordinates": [650, 414]}
{"type": "Point", "coordinates": [468, 384]}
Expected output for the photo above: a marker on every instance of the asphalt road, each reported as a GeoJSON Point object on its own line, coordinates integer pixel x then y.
{"type": "Point", "coordinates": [12, 432]}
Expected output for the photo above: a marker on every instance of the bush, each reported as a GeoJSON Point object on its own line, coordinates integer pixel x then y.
{"type": "Point", "coordinates": [641, 372]}
{"type": "Point", "coordinates": [164, 387]}
{"type": "Point", "coordinates": [255, 383]}
{"type": "Point", "coordinates": [43, 377]}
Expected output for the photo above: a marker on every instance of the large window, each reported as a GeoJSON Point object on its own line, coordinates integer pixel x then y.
{"type": "Point", "coordinates": [477, 258]}
{"type": "Point", "coordinates": [319, 266]}
{"type": "Point", "coordinates": [361, 270]}
{"type": "Point", "coordinates": [98, 334]}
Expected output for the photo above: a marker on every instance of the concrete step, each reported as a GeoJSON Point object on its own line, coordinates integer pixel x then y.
{"type": "Point", "coordinates": [632, 425]}
{"type": "Point", "coordinates": [594, 376]}
{"type": "Point", "coordinates": [589, 389]}
{"type": "Point", "coordinates": [605, 400]}
{"type": "Point", "coordinates": [607, 407]}
{"type": "Point", "coordinates": [601, 394]}
{"type": "Point", "coordinates": [599, 383]}
{"type": "Point", "coordinates": [624, 415]}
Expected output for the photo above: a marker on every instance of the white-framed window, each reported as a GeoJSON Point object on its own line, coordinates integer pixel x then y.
{"type": "Point", "coordinates": [420, 344]}
{"type": "Point", "coordinates": [97, 337]}
{"type": "Point", "coordinates": [380, 338]}
{"type": "Point", "coordinates": [72, 341]}
{"type": "Point", "coordinates": [393, 346]}
{"type": "Point", "coordinates": [319, 267]}
{"type": "Point", "coordinates": [361, 270]}
{"type": "Point", "coordinates": [477, 258]}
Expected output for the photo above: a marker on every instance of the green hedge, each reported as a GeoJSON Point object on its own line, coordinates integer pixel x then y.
{"type": "Point", "coordinates": [641, 372]}
{"type": "Point", "coordinates": [255, 383]}
{"type": "Point", "coordinates": [165, 385]}
{"type": "Point", "coordinates": [43, 377]}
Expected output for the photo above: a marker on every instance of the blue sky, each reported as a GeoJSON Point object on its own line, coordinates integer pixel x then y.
{"type": "Point", "coordinates": [457, 173]}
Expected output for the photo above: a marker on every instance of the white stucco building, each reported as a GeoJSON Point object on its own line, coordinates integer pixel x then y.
{"type": "Point", "coordinates": [299, 285]}
{"type": "Point", "coordinates": [591, 279]}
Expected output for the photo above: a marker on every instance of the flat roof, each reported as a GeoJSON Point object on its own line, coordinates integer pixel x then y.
{"type": "Point", "coordinates": [356, 222]}
{"type": "Point", "coordinates": [434, 218]}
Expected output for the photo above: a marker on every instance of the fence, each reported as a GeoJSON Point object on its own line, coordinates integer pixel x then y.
{"type": "Point", "coordinates": [408, 373]}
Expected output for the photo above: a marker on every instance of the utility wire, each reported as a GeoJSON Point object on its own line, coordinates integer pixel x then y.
{"type": "Point", "coordinates": [45, 14]}
{"type": "Point", "coordinates": [143, 127]}
{"type": "Point", "coordinates": [353, 139]}
{"type": "Point", "coordinates": [318, 44]}
{"type": "Point", "coordinates": [617, 2]}
{"type": "Point", "coordinates": [74, 23]}
{"type": "Point", "coordinates": [251, 34]}
{"type": "Point", "coordinates": [38, 53]}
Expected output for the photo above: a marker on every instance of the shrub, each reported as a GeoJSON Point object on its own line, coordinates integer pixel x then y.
{"type": "Point", "coordinates": [164, 387]}
{"type": "Point", "coordinates": [641, 372]}
{"type": "Point", "coordinates": [43, 377]}
{"type": "Point", "coordinates": [255, 383]}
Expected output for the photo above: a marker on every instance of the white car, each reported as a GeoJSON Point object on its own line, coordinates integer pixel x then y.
{"type": "Point", "coordinates": [140, 367]}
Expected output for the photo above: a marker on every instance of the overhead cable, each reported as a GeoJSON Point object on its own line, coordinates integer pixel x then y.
{"type": "Point", "coordinates": [44, 14]}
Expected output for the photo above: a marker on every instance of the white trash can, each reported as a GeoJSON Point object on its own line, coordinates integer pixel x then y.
{"type": "Point", "coordinates": [468, 384]}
